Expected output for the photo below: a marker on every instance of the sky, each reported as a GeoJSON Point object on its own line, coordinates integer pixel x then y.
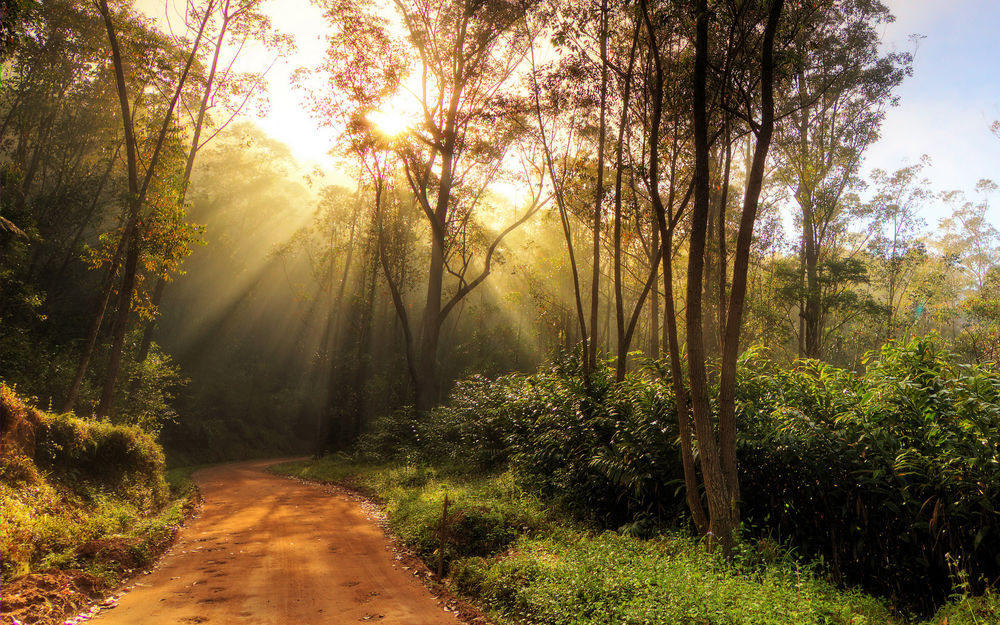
{"type": "Point", "coordinates": [286, 117]}
{"type": "Point", "coordinates": [946, 108]}
{"type": "Point", "coordinates": [289, 119]}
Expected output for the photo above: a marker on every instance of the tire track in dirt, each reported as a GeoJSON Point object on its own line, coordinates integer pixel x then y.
{"type": "Point", "coordinates": [269, 550]}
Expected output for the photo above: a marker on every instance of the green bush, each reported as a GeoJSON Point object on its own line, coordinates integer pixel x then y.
{"type": "Point", "coordinates": [68, 483]}
{"type": "Point", "coordinates": [892, 476]}
{"type": "Point", "coordinates": [473, 430]}
{"type": "Point", "coordinates": [963, 610]}
{"type": "Point", "coordinates": [572, 577]}
{"type": "Point", "coordinates": [102, 457]}
{"type": "Point", "coordinates": [604, 450]}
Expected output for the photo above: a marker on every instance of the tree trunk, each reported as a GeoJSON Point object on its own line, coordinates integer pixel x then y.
{"type": "Point", "coordinates": [120, 329]}
{"type": "Point", "coordinates": [623, 338]}
{"type": "Point", "coordinates": [137, 192]}
{"type": "Point", "coordinates": [734, 318]}
{"type": "Point", "coordinates": [599, 192]}
{"type": "Point", "coordinates": [425, 382]}
{"type": "Point", "coordinates": [150, 326]}
{"type": "Point", "coordinates": [812, 313]}
{"type": "Point", "coordinates": [654, 305]}
{"type": "Point", "coordinates": [107, 286]}
{"type": "Point", "coordinates": [581, 320]}
{"type": "Point", "coordinates": [722, 523]}
{"type": "Point", "coordinates": [665, 226]}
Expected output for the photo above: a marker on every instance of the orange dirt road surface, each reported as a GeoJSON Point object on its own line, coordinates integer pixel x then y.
{"type": "Point", "coordinates": [270, 550]}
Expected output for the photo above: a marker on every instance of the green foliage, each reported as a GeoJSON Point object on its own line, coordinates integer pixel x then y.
{"type": "Point", "coordinates": [67, 484]}
{"type": "Point", "coordinates": [573, 577]}
{"type": "Point", "coordinates": [104, 457]}
{"type": "Point", "coordinates": [473, 430]}
{"type": "Point", "coordinates": [150, 386]}
{"type": "Point", "coordinates": [892, 475]}
{"type": "Point", "coordinates": [964, 610]}
{"type": "Point", "coordinates": [47, 525]}
{"type": "Point", "coordinates": [603, 450]}
{"type": "Point", "coordinates": [484, 517]}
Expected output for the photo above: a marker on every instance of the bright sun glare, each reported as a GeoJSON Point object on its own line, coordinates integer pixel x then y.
{"type": "Point", "coordinates": [400, 112]}
{"type": "Point", "coordinates": [389, 122]}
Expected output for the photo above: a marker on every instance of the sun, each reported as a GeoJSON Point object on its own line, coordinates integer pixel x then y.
{"type": "Point", "coordinates": [400, 113]}
{"type": "Point", "coordinates": [390, 122]}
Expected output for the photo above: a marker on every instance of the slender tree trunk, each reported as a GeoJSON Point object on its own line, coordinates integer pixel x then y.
{"type": "Point", "coordinates": [721, 508]}
{"type": "Point", "coordinates": [566, 229]}
{"type": "Point", "coordinates": [721, 236]}
{"type": "Point", "coordinates": [599, 192]}
{"type": "Point", "coordinates": [120, 328]}
{"type": "Point", "coordinates": [665, 226]}
{"type": "Point", "coordinates": [137, 195]}
{"type": "Point", "coordinates": [654, 306]}
{"type": "Point", "coordinates": [426, 381]}
{"type": "Point", "coordinates": [412, 361]}
{"type": "Point", "coordinates": [741, 261]}
{"type": "Point", "coordinates": [624, 339]}
{"type": "Point", "coordinates": [157, 297]}
{"type": "Point", "coordinates": [107, 286]}
{"type": "Point", "coordinates": [813, 293]}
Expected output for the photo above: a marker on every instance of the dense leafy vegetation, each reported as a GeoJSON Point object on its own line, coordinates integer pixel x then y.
{"type": "Point", "coordinates": [889, 476]}
{"type": "Point", "coordinates": [81, 494]}
{"type": "Point", "coordinates": [525, 562]}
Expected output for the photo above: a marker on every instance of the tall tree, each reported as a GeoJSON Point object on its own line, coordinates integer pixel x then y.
{"type": "Point", "coordinates": [221, 94]}
{"type": "Point", "coordinates": [717, 445]}
{"type": "Point", "coordinates": [137, 191]}
{"type": "Point", "coordinates": [466, 121]}
{"type": "Point", "coordinates": [896, 249]}
{"type": "Point", "coordinates": [840, 90]}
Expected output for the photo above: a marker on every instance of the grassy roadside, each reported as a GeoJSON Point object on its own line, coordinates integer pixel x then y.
{"type": "Point", "coordinates": [79, 551]}
{"type": "Point", "coordinates": [84, 504]}
{"type": "Point", "coordinates": [523, 563]}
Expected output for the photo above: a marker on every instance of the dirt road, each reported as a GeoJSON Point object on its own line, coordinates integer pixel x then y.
{"type": "Point", "coordinates": [266, 549]}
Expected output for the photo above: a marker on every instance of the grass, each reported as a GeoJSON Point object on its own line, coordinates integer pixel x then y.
{"type": "Point", "coordinates": [180, 483]}
{"type": "Point", "coordinates": [524, 563]}
{"type": "Point", "coordinates": [572, 577]}
{"type": "Point", "coordinates": [485, 515]}
{"type": "Point", "coordinates": [48, 525]}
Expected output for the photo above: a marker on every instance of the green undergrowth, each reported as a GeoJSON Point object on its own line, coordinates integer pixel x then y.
{"type": "Point", "coordinates": [580, 577]}
{"type": "Point", "coordinates": [82, 494]}
{"type": "Point", "coordinates": [486, 514]}
{"type": "Point", "coordinates": [525, 563]}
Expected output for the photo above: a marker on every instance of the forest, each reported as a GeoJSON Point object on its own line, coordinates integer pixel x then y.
{"type": "Point", "coordinates": [614, 279]}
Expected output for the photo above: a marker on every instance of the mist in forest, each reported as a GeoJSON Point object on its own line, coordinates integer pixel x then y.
{"type": "Point", "coordinates": [183, 271]}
